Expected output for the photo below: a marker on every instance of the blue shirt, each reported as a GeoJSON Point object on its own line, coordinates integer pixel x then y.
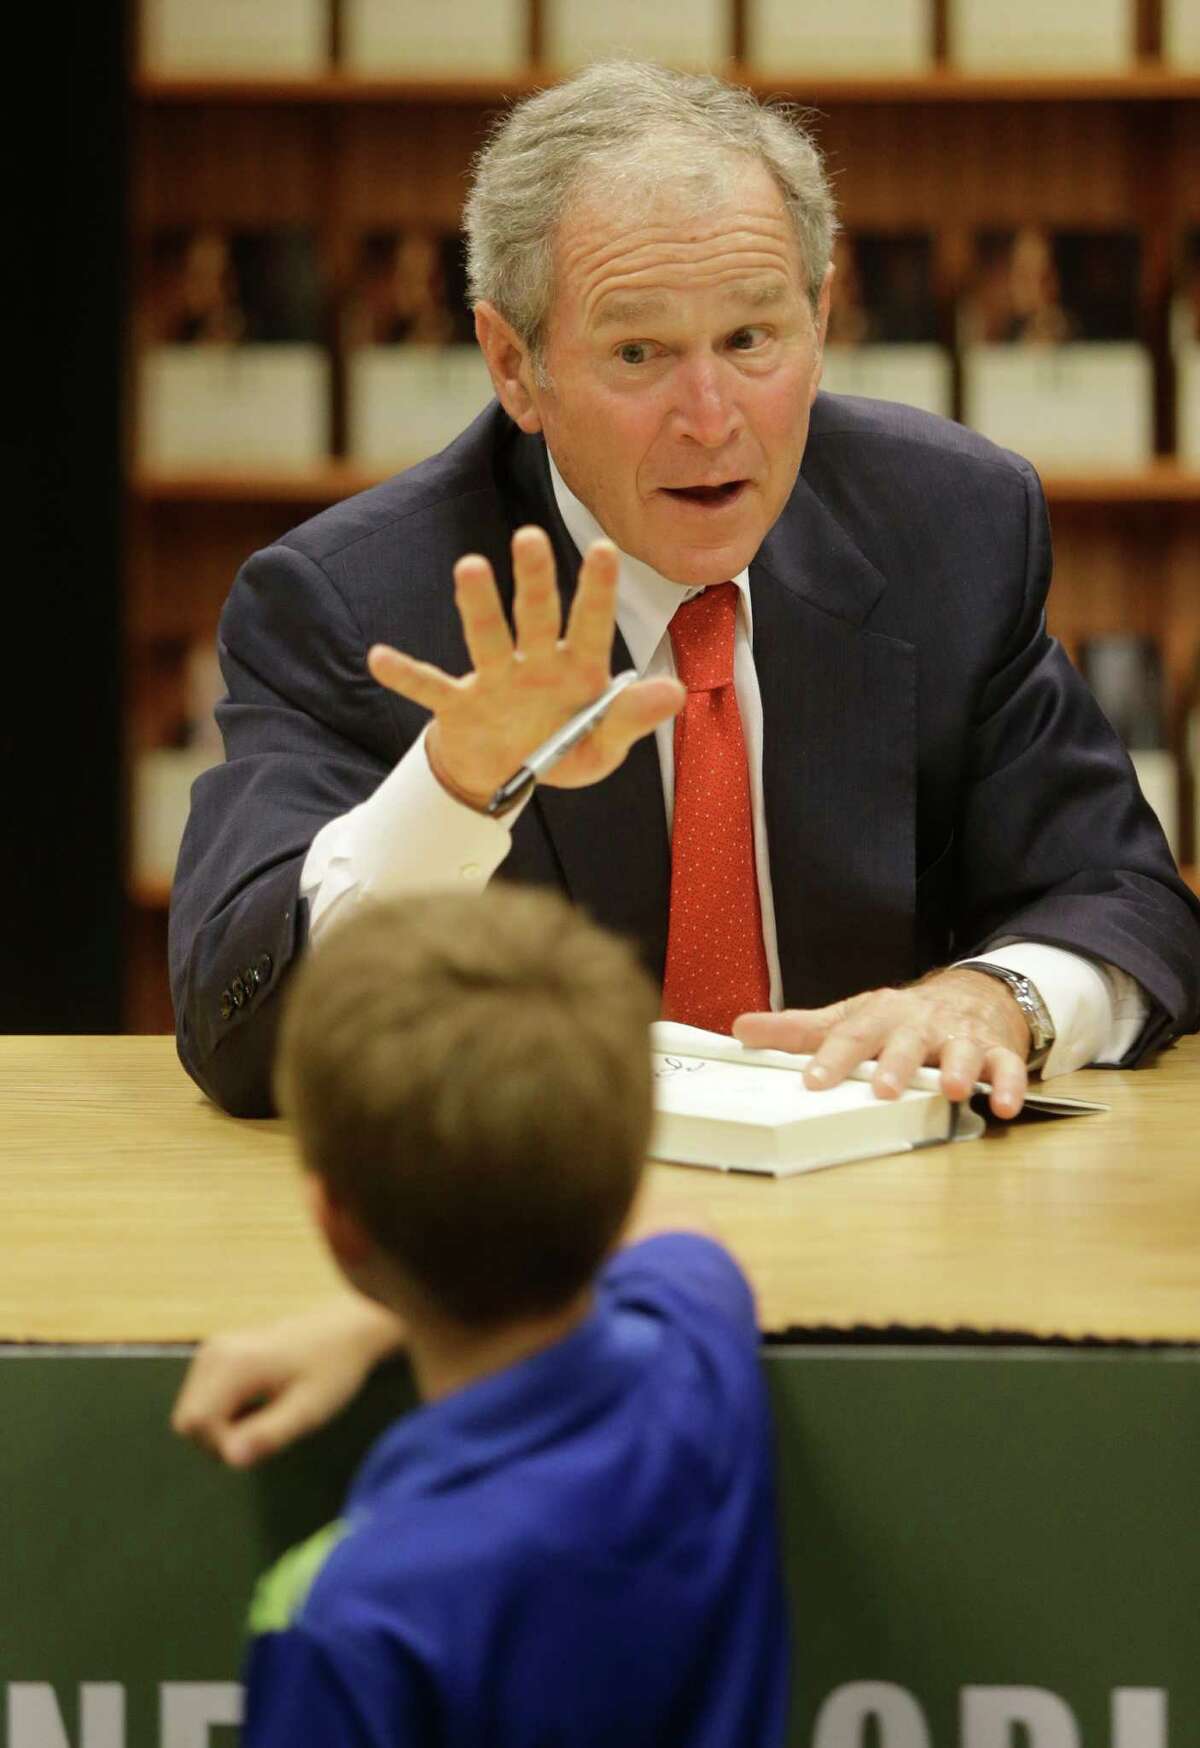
{"type": "Point", "coordinates": [579, 1551]}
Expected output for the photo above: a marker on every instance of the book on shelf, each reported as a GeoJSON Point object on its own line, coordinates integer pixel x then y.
{"type": "Point", "coordinates": [688, 33]}
{"type": "Point", "coordinates": [1042, 36]}
{"type": "Point", "coordinates": [839, 37]}
{"type": "Point", "coordinates": [163, 775]}
{"type": "Point", "coordinates": [1181, 34]}
{"type": "Point", "coordinates": [1053, 362]}
{"type": "Point", "coordinates": [232, 371]}
{"type": "Point", "coordinates": [413, 39]}
{"type": "Point", "coordinates": [1185, 351]}
{"type": "Point", "coordinates": [1125, 673]}
{"type": "Point", "coordinates": [415, 376]}
{"type": "Point", "coordinates": [235, 37]}
{"type": "Point", "coordinates": [882, 338]}
{"type": "Point", "coordinates": [1191, 738]}
{"type": "Point", "coordinates": [717, 1104]}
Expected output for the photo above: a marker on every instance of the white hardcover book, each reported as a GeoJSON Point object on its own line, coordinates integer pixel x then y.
{"type": "Point", "coordinates": [162, 793]}
{"type": "Point", "coordinates": [919, 375]}
{"type": "Point", "coordinates": [1041, 35]}
{"type": "Point", "coordinates": [688, 33]}
{"type": "Point", "coordinates": [1181, 33]}
{"type": "Point", "coordinates": [717, 1104]}
{"type": "Point", "coordinates": [1185, 352]}
{"type": "Point", "coordinates": [407, 401]}
{"type": "Point", "coordinates": [1082, 404]}
{"type": "Point", "coordinates": [414, 38]}
{"type": "Point", "coordinates": [221, 405]}
{"type": "Point", "coordinates": [1158, 779]}
{"type": "Point", "coordinates": [1187, 404]}
{"type": "Point", "coordinates": [235, 36]}
{"type": "Point", "coordinates": [810, 37]}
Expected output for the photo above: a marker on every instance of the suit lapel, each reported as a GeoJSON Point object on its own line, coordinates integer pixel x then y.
{"type": "Point", "coordinates": [839, 751]}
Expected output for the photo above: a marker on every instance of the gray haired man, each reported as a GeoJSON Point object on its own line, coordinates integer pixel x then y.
{"type": "Point", "coordinates": [883, 767]}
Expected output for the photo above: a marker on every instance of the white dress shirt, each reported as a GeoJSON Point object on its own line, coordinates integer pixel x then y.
{"type": "Point", "coordinates": [412, 836]}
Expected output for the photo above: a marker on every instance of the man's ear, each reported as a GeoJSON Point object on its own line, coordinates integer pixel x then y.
{"type": "Point", "coordinates": [509, 365]}
{"type": "Point", "coordinates": [343, 1233]}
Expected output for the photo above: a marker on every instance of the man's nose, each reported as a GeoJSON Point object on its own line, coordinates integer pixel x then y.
{"type": "Point", "coordinates": [706, 407]}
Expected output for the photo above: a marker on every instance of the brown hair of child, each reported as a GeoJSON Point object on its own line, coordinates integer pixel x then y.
{"type": "Point", "coordinates": [470, 1076]}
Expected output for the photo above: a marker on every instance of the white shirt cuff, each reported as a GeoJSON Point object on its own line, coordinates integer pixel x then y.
{"type": "Point", "coordinates": [410, 836]}
{"type": "Point", "coordinates": [1097, 1010]}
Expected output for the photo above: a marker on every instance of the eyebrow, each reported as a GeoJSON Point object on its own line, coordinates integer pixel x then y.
{"type": "Point", "coordinates": [622, 312]}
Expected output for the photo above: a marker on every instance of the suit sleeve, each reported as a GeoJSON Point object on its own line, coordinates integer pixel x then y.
{"type": "Point", "coordinates": [308, 735]}
{"type": "Point", "coordinates": [1056, 843]}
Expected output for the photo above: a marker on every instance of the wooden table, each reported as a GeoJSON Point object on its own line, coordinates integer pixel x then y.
{"type": "Point", "coordinates": [137, 1212]}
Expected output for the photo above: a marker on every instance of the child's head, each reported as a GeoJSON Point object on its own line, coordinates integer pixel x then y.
{"type": "Point", "coordinates": [470, 1079]}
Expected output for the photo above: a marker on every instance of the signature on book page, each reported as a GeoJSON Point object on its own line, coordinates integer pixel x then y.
{"type": "Point", "coordinates": [666, 1066]}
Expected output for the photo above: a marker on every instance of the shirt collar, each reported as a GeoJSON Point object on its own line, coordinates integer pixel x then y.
{"type": "Point", "coordinates": [646, 601]}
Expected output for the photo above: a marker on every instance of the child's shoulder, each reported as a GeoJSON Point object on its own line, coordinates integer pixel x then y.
{"type": "Point", "coordinates": [682, 1271]}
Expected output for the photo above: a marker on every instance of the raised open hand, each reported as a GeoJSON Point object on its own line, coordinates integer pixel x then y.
{"type": "Point", "coordinates": [487, 723]}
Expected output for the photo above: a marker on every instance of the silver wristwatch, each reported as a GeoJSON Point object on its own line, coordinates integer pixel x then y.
{"type": "Point", "coordinates": [1029, 1000]}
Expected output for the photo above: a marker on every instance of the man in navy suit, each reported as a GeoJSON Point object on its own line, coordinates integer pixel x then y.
{"type": "Point", "coordinates": [929, 780]}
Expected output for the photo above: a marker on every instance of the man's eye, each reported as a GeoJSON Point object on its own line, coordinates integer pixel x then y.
{"type": "Point", "coordinates": [632, 352]}
{"type": "Point", "coordinates": [746, 338]}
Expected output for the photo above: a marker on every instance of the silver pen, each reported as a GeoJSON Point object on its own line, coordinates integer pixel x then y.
{"type": "Point", "coordinates": [560, 742]}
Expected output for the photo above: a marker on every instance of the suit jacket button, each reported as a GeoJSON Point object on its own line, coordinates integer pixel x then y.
{"type": "Point", "coordinates": [250, 979]}
{"type": "Point", "coordinates": [263, 967]}
{"type": "Point", "coordinates": [226, 1005]}
{"type": "Point", "coordinates": [238, 990]}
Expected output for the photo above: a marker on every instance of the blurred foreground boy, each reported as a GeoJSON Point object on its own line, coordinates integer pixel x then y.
{"type": "Point", "coordinates": [572, 1541]}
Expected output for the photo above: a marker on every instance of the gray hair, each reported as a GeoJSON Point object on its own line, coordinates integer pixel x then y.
{"type": "Point", "coordinates": [616, 126]}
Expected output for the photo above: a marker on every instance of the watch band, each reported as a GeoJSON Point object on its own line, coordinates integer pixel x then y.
{"type": "Point", "coordinates": [1028, 998]}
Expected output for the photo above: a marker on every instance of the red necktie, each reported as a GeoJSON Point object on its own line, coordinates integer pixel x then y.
{"type": "Point", "coordinates": [716, 962]}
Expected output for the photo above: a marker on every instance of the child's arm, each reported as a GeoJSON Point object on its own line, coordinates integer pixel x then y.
{"type": "Point", "coordinates": [248, 1394]}
{"type": "Point", "coordinates": [712, 1272]}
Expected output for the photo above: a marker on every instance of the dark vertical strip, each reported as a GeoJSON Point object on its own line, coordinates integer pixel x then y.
{"type": "Point", "coordinates": [60, 755]}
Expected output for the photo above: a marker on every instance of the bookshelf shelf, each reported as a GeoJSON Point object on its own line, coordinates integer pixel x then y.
{"type": "Point", "coordinates": [1146, 81]}
{"type": "Point", "coordinates": [1162, 483]}
{"type": "Point", "coordinates": [150, 895]}
{"type": "Point", "coordinates": [319, 485]}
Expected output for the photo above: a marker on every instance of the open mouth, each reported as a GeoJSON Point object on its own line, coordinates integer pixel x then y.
{"type": "Point", "coordinates": [709, 497]}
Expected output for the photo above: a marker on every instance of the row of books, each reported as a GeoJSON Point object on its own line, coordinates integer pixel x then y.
{"type": "Point", "coordinates": [411, 38]}
{"type": "Point", "coordinates": [1125, 672]}
{"type": "Point", "coordinates": [1040, 344]}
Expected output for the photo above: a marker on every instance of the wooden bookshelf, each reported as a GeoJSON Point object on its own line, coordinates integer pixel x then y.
{"type": "Point", "coordinates": [1161, 483]}
{"type": "Point", "coordinates": [944, 152]}
{"type": "Point", "coordinates": [315, 486]}
{"type": "Point", "coordinates": [1145, 82]}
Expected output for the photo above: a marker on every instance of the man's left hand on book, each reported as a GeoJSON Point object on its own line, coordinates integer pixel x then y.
{"type": "Point", "coordinates": [952, 1020]}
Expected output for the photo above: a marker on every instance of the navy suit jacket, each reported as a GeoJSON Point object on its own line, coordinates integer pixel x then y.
{"type": "Point", "coordinates": [936, 775]}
